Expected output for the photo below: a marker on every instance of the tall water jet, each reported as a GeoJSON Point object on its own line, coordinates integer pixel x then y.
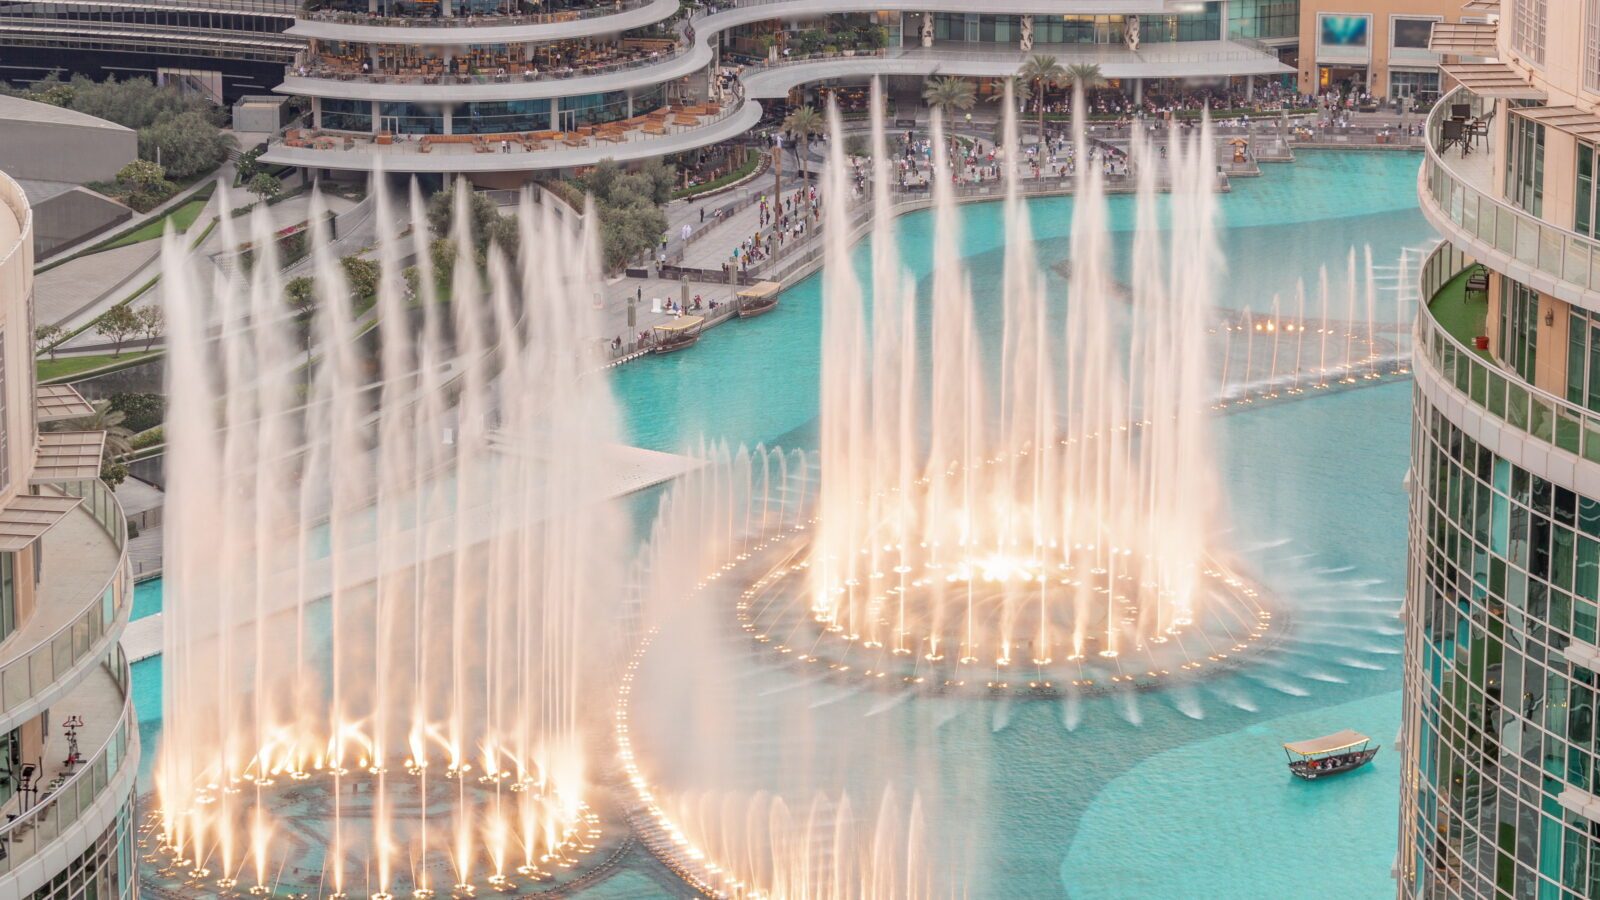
{"type": "Point", "coordinates": [388, 535]}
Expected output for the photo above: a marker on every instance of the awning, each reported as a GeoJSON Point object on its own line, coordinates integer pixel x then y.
{"type": "Point", "coordinates": [761, 290]}
{"type": "Point", "coordinates": [681, 324]}
{"type": "Point", "coordinates": [1494, 79]}
{"type": "Point", "coordinates": [1481, 6]}
{"type": "Point", "coordinates": [1463, 38]}
{"type": "Point", "coordinates": [1570, 119]}
{"type": "Point", "coordinates": [68, 456]}
{"type": "Point", "coordinates": [28, 516]}
{"type": "Point", "coordinates": [1342, 740]}
{"type": "Point", "coordinates": [54, 402]}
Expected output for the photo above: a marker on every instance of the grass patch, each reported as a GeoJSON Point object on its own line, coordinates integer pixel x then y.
{"type": "Point", "coordinates": [1463, 319]}
{"type": "Point", "coordinates": [72, 365]}
{"type": "Point", "coordinates": [181, 219]}
{"type": "Point", "coordinates": [751, 161]}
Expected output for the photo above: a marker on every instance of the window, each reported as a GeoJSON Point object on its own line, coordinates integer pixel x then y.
{"type": "Point", "coordinates": [1519, 327]}
{"type": "Point", "coordinates": [347, 115]}
{"type": "Point", "coordinates": [1583, 359]}
{"type": "Point", "coordinates": [1527, 29]}
{"type": "Point", "coordinates": [1591, 55]}
{"type": "Point", "coordinates": [1583, 212]}
{"type": "Point", "coordinates": [1525, 164]}
{"type": "Point", "coordinates": [1264, 19]}
{"type": "Point", "coordinates": [1410, 34]}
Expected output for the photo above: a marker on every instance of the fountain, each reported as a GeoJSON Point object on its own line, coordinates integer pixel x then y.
{"type": "Point", "coordinates": [386, 541]}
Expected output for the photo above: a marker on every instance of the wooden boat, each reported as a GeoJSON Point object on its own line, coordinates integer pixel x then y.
{"type": "Point", "coordinates": [679, 334]}
{"type": "Point", "coordinates": [1334, 754]}
{"type": "Point", "coordinates": [758, 299]}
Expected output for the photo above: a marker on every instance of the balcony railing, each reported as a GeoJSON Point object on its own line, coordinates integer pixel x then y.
{"type": "Point", "coordinates": [1536, 413]}
{"type": "Point", "coordinates": [322, 70]}
{"type": "Point", "coordinates": [476, 20]}
{"type": "Point", "coordinates": [27, 676]}
{"type": "Point", "coordinates": [1557, 252]}
{"type": "Point", "coordinates": [59, 807]}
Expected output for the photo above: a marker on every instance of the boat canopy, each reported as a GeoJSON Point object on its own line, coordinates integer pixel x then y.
{"type": "Point", "coordinates": [684, 323]}
{"type": "Point", "coordinates": [1342, 740]}
{"type": "Point", "coordinates": [761, 290]}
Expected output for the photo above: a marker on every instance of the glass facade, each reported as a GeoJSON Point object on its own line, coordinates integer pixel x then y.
{"type": "Point", "coordinates": [1505, 574]}
{"type": "Point", "coordinates": [1583, 359]}
{"type": "Point", "coordinates": [501, 116]}
{"type": "Point", "coordinates": [103, 872]}
{"type": "Point", "coordinates": [593, 109]}
{"type": "Point", "coordinates": [411, 118]}
{"type": "Point", "coordinates": [1203, 25]}
{"type": "Point", "coordinates": [347, 115]}
{"type": "Point", "coordinates": [1525, 164]}
{"type": "Point", "coordinates": [1264, 19]}
{"type": "Point", "coordinates": [1519, 328]}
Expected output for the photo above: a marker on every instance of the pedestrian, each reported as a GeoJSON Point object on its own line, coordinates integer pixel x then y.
{"type": "Point", "coordinates": [702, 214]}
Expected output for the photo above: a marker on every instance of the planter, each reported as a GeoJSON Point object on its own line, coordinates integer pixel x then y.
{"type": "Point", "coordinates": [1481, 342]}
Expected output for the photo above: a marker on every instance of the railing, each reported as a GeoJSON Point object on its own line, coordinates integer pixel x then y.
{"type": "Point", "coordinates": [1536, 413]}
{"type": "Point", "coordinates": [331, 73]}
{"type": "Point", "coordinates": [58, 808]}
{"type": "Point", "coordinates": [25, 677]}
{"type": "Point", "coordinates": [1558, 252]}
{"type": "Point", "coordinates": [478, 21]}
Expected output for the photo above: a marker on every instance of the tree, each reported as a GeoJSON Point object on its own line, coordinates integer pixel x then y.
{"type": "Point", "coordinates": [187, 144]}
{"type": "Point", "coordinates": [249, 163]}
{"type": "Point", "coordinates": [301, 295]}
{"type": "Point", "coordinates": [1086, 75]}
{"type": "Point", "coordinates": [144, 184]}
{"type": "Point", "coordinates": [949, 94]}
{"type": "Point", "coordinates": [152, 323]}
{"type": "Point", "coordinates": [118, 324]}
{"type": "Point", "coordinates": [141, 411]}
{"type": "Point", "coordinates": [803, 124]}
{"type": "Point", "coordinates": [1041, 71]}
{"type": "Point", "coordinates": [265, 185]}
{"type": "Point", "coordinates": [46, 337]}
{"type": "Point", "coordinates": [481, 213]}
{"type": "Point", "coordinates": [361, 275]}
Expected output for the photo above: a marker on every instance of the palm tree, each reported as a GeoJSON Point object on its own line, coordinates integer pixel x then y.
{"type": "Point", "coordinates": [1020, 94]}
{"type": "Point", "coordinates": [104, 418]}
{"type": "Point", "coordinates": [1085, 75]}
{"type": "Point", "coordinates": [803, 124]}
{"type": "Point", "coordinates": [949, 93]}
{"type": "Point", "coordinates": [1041, 70]}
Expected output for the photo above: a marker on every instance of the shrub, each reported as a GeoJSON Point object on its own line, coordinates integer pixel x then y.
{"type": "Point", "coordinates": [140, 411]}
{"type": "Point", "coordinates": [265, 186]}
{"type": "Point", "coordinates": [361, 275]}
{"type": "Point", "coordinates": [188, 144]}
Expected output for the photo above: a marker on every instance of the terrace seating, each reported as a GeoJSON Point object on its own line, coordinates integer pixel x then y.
{"type": "Point", "coordinates": [1478, 282]}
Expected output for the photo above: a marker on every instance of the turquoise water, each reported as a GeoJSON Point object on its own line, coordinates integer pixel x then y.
{"type": "Point", "coordinates": [1177, 794]}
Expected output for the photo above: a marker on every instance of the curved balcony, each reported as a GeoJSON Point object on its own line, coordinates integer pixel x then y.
{"type": "Point", "coordinates": [82, 605]}
{"type": "Point", "coordinates": [613, 17]}
{"type": "Point", "coordinates": [629, 139]}
{"type": "Point", "coordinates": [75, 804]}
{"type": "Point", "coordinates": [682, 60]}
{"type": "Point", "coordinates": [1511, 416]}
{"type": "Point", "coordinates": [1458, 197]}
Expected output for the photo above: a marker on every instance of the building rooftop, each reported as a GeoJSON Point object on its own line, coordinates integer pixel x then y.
{"type": "Point", "coordinates": [16, 109]}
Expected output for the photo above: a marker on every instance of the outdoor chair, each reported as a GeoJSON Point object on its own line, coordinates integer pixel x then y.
{"type": "Point", "coordinates": [1451, 133]}
{"type": "Point", "coordinates": [1478, 282]}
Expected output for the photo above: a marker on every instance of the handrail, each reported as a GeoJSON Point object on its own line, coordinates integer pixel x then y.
{"type": "Point", "coordinates": [25, 836]}
{"type": "Point", "coordinates": [1534, 412]}
{"type": "Point", "coordinates": [1558, 252]}
{"type": "Point", "coordinates": [599, 10]}
{"type": "Point", "coordinates": [23, 678]}
{"type": "Point", "coordinates": [447, 79]}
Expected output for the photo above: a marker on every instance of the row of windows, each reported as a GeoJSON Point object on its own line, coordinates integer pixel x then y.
{"type": "Point", "coordinates": [1528, 27]}
{"type": "Point", "coordinates": [103, 872]}
{"type": "Point", "coordinates": [490, 117]}
{"type": "Point", "coordinates": [1264, 19]}
{"type": "Point", "coordinates": [145, 17]}
{"type": "Point", "coordinates": [1507, 574]}
{"type": "Point", "coordinates": [1205, 25]}
{"type": "Point", "coordinates": [1525, 164]}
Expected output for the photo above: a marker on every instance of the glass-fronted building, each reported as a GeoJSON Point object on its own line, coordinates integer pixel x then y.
{"type": "Point", "coordinates": [69, 740]}
{"type": "Point", "coordinates": [1501, 782]}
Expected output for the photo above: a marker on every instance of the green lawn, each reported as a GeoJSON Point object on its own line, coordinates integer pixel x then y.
{"type": "Point", "coordinates": [72, 365]}
{"type": "Point", "coordinates": [182, 218]}
{"type": "Point", "coordinates": [1462, 318]}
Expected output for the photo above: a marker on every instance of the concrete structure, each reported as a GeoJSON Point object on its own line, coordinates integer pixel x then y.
{"type": "Point", "coordinates": [1379, 46]}
{"type": "Point", "coordinates": [474, 90]}
{"type": "Point", "coordinates": [259, 114]}
{"type": "Point", "coordinates": [1500, 796]}
{"type": "Point", "coordinates": [69, 741]}
{"type": "Point", "coordinates": [52, 152]}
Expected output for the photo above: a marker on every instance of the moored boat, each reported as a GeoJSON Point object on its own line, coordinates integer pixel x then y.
{"type": "Point", "coordinates": [679, 334]}
{"type": "Point", "coordinates": [758, 299]}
